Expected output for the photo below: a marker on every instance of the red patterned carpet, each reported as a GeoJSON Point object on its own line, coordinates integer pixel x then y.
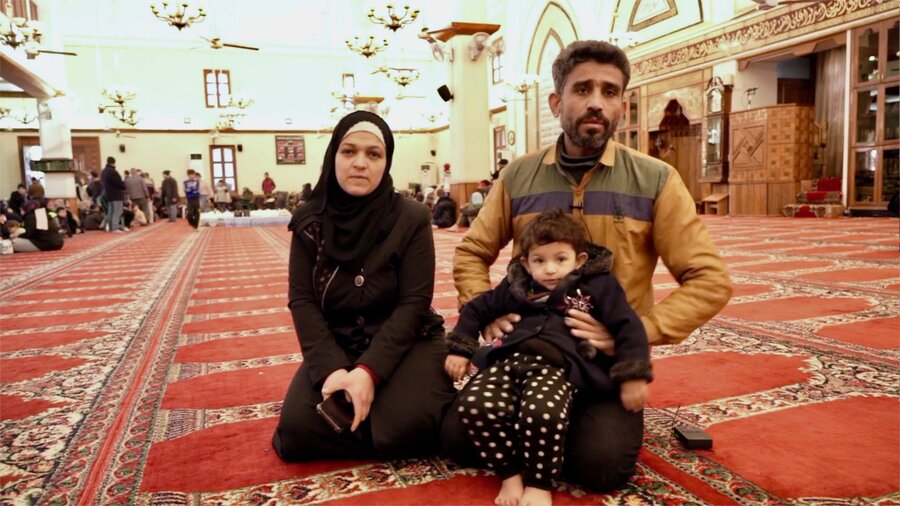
{"type": "Point", "coordinates": [149, 368]}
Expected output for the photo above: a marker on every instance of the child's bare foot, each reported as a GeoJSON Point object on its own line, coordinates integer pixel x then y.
{"type": "Point", "coordinates": [510, 492]}
{"type": "Point", "coordinates": [536, 497]}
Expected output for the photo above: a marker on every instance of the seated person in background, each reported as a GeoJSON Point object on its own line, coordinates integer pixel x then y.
{"type": "Point", "coordinates": [41, 228]}
{"type": "Point", "coordinates": [500, 166]}
{"type": "Point", "coordinates": [247, 198]}
{"type": "Point", "coordinates": [93, 218]}
{"type": "Point", "coordinates": [469, 211]}
{"type": "Point", "coordinates": [68, 222]}
{"type": "Point", "coordinates": [557, 270]}
{"type": "Point", "coordinates": [444, 213]}
{"type": "Point", "coordinates": [139, 217]}
{"type": "Point", "coordinates": [127, 217]}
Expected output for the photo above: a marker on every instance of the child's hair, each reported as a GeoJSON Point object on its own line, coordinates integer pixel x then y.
{"type": "Point", "coordinates": [553, 226]}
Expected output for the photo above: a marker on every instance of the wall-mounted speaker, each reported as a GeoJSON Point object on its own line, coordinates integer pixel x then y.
{"type": "Point", "coordinates": [121, 148]}
{"type": "Point", "coordinates": [433, 152]}
{"type": "Point", "coordinates": [240, 148]}
{"type": "Point", "coordinates": [444, 92]}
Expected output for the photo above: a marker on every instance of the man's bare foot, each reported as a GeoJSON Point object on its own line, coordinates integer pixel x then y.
{"type": "Point", "coordinates": [536, 497]}
{"type": "Point", "coordinates": [510, 492]}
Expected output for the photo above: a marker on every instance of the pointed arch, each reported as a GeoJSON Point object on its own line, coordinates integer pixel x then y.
{"type": "Point", "coordinates": [554, 30]}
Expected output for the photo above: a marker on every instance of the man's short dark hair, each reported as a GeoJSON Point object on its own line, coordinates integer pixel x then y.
{"type": "Point", "coordinates": [166, 172]}
{"type": "Point", "coordinates": [110, 160]}
{"type": "Point", "coordinates": [21, 185]}
{"type": "Point", "coordinates": [95, 173]}
{"type": "Point", "coordinates": [553, 226]}
{"type": "Point", "coordinates": [503, 161]}
{"type": "Point", "coordinates": [581, 51]}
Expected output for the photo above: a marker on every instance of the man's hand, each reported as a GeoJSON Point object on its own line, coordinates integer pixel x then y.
{"type": "Point", "coordinates": [500, 326]}
{"type": "Point", "coordinates": [456, 367]}
{"type": "Point", "coordinates": [583, 326]}
{"type": "Point", "coordinates": [634, 395]}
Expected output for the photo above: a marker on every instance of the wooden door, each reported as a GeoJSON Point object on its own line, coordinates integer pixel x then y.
{"type": "Point", "coordinates": [85, 153]}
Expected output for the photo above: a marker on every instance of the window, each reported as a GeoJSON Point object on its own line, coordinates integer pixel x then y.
{"type": "Point", "coordinates": [217, 87]}
{"type": "Point", "coordinates": [22, 9]}
{"type": "Point", "coordinates": [224, 166]}
{"type": "Point", "coordinates": [630, 124]}
{"type": "Point", "coordinates": [497, 68]}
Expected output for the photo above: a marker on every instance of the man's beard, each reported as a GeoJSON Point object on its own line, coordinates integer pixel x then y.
{"type": "Point", "coordinates": [595, 138]}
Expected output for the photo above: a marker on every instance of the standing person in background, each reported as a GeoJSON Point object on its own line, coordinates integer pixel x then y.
{"type": "Point", "coordinates": [206, 192]}
{"type": "Point", "coordinates": [170, 195]}
{"type": "Point", "coordinates": [192, 196]}
{"type": "Point", "coordinates": [137, 191]}
{"type": "Point", "coordinates": [114, 192]}
{"type": "Point", "coordinates": [268, 186]}
{"type": "Point", "coordinates": [151, 196]}
{"type": "Point", "coordinates": [636, 206]}
{"type": "Point", "coordinates": [223, 195]}
{"type": "Point", "coordinates": [95, 188]}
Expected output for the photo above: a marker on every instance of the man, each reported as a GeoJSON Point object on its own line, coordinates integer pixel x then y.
{"type": "Point", "coordinates": [95, 188]}
{"type": "Point", "coordinates": [114, 191]}
{"type": "Point", "coordinates": [137, 190]}
{"type": "Point", "coordinates": [169, 192]}
{"type": "Point", "coordinates": [500, 166]}
{"type": "Point", "coordinates": [268, 186]}
{"type": "Point", "coordinates": [17, 199]}
{"type": "Point", "coordinates": [192, 197]}
{"type": "Point", "coordinates": [205, 190]}
{"type": "Point", "coordinates": [634, 205]}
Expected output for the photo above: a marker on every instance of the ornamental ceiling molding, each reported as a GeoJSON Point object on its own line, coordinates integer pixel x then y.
{"type": "Point", "coordinates": [758, 34]}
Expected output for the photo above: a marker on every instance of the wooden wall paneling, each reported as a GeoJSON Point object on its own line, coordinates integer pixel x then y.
{"type": "Point", "coordinates": [748, 146]}
{"type": "Point", "coordinates": [747, 199]}
{"type": "Point", "coordinates": [779, 195]}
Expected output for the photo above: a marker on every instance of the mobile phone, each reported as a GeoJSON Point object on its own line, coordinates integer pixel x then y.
{"type": "Point", "coordinates": [337, 411]}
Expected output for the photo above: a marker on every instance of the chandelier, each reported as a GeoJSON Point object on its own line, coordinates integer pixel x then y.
{"type": "Point", "coordinates": [177, 16]}
{"type": "Point", "coordinates": [401, 76]}
{"type": "Point", "coordinates": [624, 40]}
{"type": "Point", "coordinates": [367, 48]}
{"type": "Point", "coordinates": [16, 30]}
{"type": "Point", "coordinates": [119, 108]}
{"type": "Point", "coordinates": [523, 84]}
{"type": "Point", "coordinates": [394, 21]}
{"type": "Point", "coordinates": [233, 111]}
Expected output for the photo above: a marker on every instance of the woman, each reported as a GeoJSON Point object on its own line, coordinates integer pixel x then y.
{"type": "Point", "coordinates": [41, 226]}
{"type": "Point", "coordinates": [361, 283]}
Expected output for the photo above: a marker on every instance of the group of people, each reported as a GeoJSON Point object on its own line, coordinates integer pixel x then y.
{"type": "Point", "coordinates": [563, 356]}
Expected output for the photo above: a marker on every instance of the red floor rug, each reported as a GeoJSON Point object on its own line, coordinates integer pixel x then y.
{"type": "Point", "coordinates": [149, 368]}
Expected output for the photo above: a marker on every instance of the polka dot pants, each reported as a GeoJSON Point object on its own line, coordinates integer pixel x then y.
{"type": "Point", "coordinates": [516, 413]}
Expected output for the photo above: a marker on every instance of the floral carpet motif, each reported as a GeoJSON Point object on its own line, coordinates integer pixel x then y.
{"type": "Point", "coordinates": [149, 368]}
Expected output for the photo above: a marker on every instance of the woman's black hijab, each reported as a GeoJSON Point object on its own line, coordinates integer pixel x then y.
{"type": "Point", "coordinates": [351, 225]}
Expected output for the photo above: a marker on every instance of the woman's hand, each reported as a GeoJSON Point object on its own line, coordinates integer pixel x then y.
{"type": "Point", "coordinates": [582, 325]}
{"type": "Point", "coordinates": [361, 388]}
{"type": "Point", "coordinates": [503, 325]}
{"type": "Point", "coordinates": [456, 367]}
{"type": "Point", "coordinates": [634, 395]}
{"type": "Point", "coordinates": [333, 382]}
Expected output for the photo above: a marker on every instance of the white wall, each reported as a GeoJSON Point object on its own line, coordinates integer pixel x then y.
{"type": "Point", "coordinates": [762, 76]}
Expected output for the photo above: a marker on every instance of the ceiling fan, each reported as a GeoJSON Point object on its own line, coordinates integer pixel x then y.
{"type": "Point", "coordinates": [33, 50]}
{"type": "Point", "coordinates": [217, 43]}
{"type": "Point", "coordinates": [439, 50]}
{"type": "Point", "coordinates": [119, 133]}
